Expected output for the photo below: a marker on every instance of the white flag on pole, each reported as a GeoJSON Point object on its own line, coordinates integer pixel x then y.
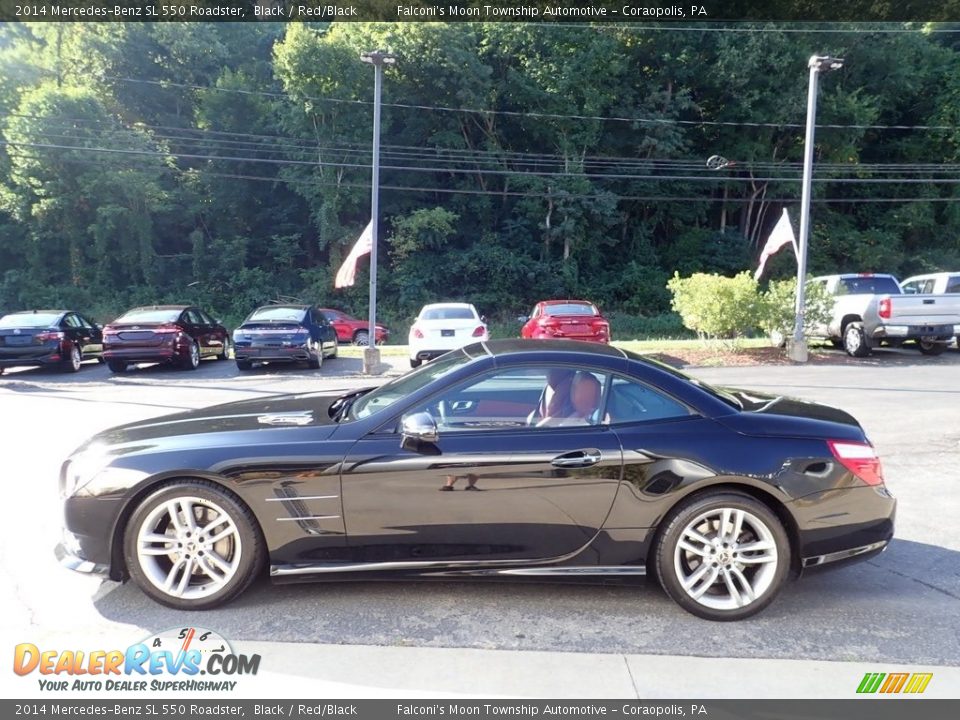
{"type": "Point", "coordinates": [781, 235]}
{"type": "Point", "coordinates": [348, 271]}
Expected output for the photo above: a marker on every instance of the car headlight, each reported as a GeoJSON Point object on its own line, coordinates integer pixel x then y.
{"type": "Point", "coordinates": [80, 469]}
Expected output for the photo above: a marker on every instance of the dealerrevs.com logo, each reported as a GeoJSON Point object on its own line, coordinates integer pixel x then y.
{"type": "Point", "coordinates": [181, 660]}
{"type": "Point", "coordinates": [894, 683]}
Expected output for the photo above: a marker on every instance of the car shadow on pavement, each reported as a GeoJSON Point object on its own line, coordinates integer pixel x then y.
{"type": "Point", "coordinates": [900, 606]}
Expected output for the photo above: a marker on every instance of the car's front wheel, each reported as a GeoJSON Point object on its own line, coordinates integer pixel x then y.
{"type": "Point", "coordinates": [192, 546]}
{"type": "Point", "coordinates": [361, 337]}
{"type": "Point", "coordinates": [723, 556]}
{"type": "Point", "coordinates": [116, 366]}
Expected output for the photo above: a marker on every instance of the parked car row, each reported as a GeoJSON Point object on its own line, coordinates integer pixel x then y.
{"type": "Point", "coordinates": [180, 335]}
{"type": "Point", "coordinates": [872, 309]}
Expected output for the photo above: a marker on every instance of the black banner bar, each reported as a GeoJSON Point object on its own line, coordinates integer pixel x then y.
{"type": "Point", "coordinates": [854, 709]}
{"type": "Point", "coordinates": [579, 11]}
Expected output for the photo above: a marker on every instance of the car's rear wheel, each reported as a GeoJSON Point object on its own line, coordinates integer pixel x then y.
{"type": "Point", "coordinates": [192, 546]}
{"type": "Point", "coordinates": [855, 340]}
{"type": "Point", "coordinates": [361, 337]}
{"type": "Point", "coordinates": [116, 366]}
{"type": "Point", "coordinates": [930, 347]}
{"type": "Point", "coordinates": [244, 365]}
{"type": "Point", "coordinates": [316, 359]}
{"type": "Point", "coordinates": [192, 361]}
{"type": "Point", "coordinates": [224, 353]}
{"type": "Point", "coordinates": [72, 362]}
{"type": "Point", "coordinates": [723, 556]}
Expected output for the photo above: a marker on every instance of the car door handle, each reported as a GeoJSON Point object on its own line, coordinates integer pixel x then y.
{"type": "Point", "coordinates": [577, 459]}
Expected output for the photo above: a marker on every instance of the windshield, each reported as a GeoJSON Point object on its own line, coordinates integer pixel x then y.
{"type": "Point", "coordinates": [868, 285]}
{"type": "Point", "coordinates": [149, 316]}
{"type": "Point", "coordinates": [276, 314]}
{"type": "Point", "coordinates": [29, 320]}
{"type": "Point", "coordinates": [447, 313]}
{"type": "Point", "coordinates": [570, 309]}
{"type": "Point", "coordinates": [385, 395]}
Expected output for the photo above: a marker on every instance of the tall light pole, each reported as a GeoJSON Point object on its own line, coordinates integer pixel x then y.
{"type": "Point", "coordinates": [377, 58]}
{"type": "Point", "coordinates": [797, 346]}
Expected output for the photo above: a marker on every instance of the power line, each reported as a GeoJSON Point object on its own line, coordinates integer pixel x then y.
{"type": "Point", "coordinates": [513, 193]}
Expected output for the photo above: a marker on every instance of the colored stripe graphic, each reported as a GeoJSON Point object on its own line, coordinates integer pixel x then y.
{"type": "Point", "coordinates": [918, 683]}
{"type": "Point", "coordinates": [894, 682]}
{"type": "Point", "coordinates": [870, 682]}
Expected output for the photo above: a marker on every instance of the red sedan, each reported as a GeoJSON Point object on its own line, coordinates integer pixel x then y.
{"type": "Point", "coordinates": [351, 330]}
{"type": "Point", "coordinates": [570, 319]}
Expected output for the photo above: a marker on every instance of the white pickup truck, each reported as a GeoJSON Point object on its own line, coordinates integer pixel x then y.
{"type": "Point", "coordinates": [870, 310]}
{"type": "Point", "coordinates": [942, 283]}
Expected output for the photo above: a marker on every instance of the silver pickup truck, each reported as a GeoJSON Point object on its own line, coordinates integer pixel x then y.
{"type": "Point", "coordinates": [871, 310]}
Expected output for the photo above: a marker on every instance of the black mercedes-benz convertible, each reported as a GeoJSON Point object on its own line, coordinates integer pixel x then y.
{"type": "Point", "coordinates": [545, 459]}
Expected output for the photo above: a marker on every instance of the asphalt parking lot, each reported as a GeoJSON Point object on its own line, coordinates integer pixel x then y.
{"type": "Point", "coordinates": [899, 607]}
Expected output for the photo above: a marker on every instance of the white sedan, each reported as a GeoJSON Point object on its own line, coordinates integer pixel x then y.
{"type": "Point", "coordinates": [442, 327]}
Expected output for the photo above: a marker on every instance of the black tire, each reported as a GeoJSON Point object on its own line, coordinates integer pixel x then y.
{"type": "Point", "coordinates": [224, 354]}
{"type": "Point", "coordinates": [415, 363]}
{"type": "Point", "coordinates": [116, 366]}
{"type": "Point", "coordinates": [361, 337]}
{"type": "Point", "coordinates": [316, 361]}
{"type": "Point", "coordinates": [837, 343]}
{"type": "Point", "coordinates": [244, 365]}
{"type": "Point", "coordinates": [241, 552]}
{"type": "Point", "coordinates": [71, 363]}
{"type": "Point", "coordinates": [192, 361]}
{"type": "Point", "coordinates": [931, 348]}
{"type": "Point", "coordinates": [716, 601]}
{"type": "Point", "coordinates": [855, 340]}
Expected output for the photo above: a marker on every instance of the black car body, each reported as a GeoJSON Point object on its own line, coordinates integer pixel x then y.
{"type": "Point", "coordinates": [179, 334]}
{"type": "Point", "coordinates": [61, 338]}
{"type": "Point", "coordinates": [666, 472]}
{"type": "Point", "coordinates": [284, 333]}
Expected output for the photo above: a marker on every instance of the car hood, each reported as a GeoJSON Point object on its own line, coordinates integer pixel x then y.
{"type": "Point", "coordinates": [195, 427]}
{"type": "Point", "coordinates": [782, 416]}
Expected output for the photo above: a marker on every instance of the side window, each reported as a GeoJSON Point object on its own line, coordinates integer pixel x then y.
{"type": "Point", "coordinates": [926, 288]}
{"type": "Point", "coordinates": [631, 401]}
{"type": "Point", "coordinates": [71, 320]}
{"type": "Point", "coordinates": [538, 397]}
{"type": "Point", "coordinates": [911, 288]}
{"type": "Point", "coordinates": [192, 318]}
{"type": "Point", "coordinates": [953, 284]}
{"type": "Point", "coordinates": [86, 323]}
{"type": "Point", "coordinates": [319, 318]}
{"type": "Point", "coordinates": [207, 320]}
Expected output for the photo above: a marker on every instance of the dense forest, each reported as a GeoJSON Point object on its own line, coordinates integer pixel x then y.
{"type": "Point", "coordinates": [229, 164]}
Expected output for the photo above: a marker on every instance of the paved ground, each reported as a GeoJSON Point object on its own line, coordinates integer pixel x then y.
{"type": "Point", "coordinates": [901, 607]}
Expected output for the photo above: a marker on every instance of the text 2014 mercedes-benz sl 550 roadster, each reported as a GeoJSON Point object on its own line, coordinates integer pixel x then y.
{"type": "Point", "coordinates": [544, 459]}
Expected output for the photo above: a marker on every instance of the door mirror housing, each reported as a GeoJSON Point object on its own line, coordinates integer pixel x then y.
{"type": "Point", "coordinates": [420, 427]}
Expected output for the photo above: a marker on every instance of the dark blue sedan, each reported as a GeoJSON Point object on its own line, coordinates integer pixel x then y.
{"type": "Point", "coordinates": [284, 333]}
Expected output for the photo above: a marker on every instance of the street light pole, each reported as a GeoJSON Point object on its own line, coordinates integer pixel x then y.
{"type": "Point", "coordinates": [371, 354]}
{"type": "Point", "coordinates": [797, 346]}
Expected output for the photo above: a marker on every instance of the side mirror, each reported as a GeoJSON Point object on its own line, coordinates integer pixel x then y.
{"type": "Point", "coordinates": [419, 426]}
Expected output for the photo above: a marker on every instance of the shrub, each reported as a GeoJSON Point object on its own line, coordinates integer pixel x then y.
{"type": "Point", "coordinates": [778, 307]}
{"type": "Point", "coordinates": [715, 306]}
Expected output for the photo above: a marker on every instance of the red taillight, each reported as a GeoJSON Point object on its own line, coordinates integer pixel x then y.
{"type": "Point", "coordinates": [167, 329]}
{"type": "Point", "coordinates": [48, 335]}
{"type": "Point", "coordinates": [480, 330]}
{"type": "Point", "coordinates": [885, 309]}
{"type": "Point", "coordinates": [417, 333]}
{"type": "Point", "coordinates": [859, 458]}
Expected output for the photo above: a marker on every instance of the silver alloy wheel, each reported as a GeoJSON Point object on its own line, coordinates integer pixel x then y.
{"type": "Point", "coordinates": [75, 358]}
{"type": "Point", "coordinates": [189, 547]}
{"type": "Point", "coordinates": [852, 339]}
{"type": "Point", "coordinates": [726, 558]}
{"type": "Point", "coordinates": [361, 338]}
{"type": "Point", "coordinates": [194, 355]}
